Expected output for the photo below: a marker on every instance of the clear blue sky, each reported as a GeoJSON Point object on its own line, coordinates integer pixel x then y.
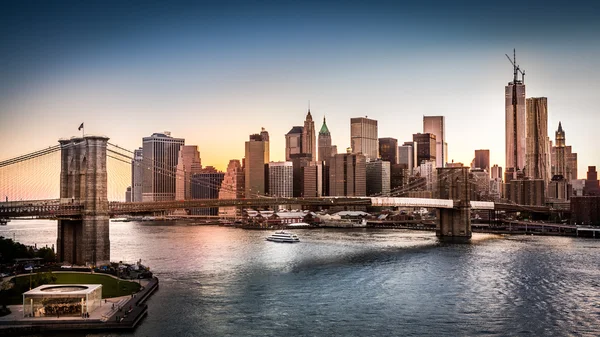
{"type": "Point", "coordinates": [215, 72]}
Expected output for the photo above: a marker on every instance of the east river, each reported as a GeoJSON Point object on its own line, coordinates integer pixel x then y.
{"type": "Point", "coordinates": [217, 281]}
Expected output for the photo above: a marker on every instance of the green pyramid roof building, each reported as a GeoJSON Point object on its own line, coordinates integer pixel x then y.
{"type": "Point", "coordinates": [324, 129]}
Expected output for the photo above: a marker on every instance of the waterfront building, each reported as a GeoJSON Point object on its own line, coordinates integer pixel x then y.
{"type": "Point", "coordinates": [585, 210]}
{"type": "Point", "coordinates": [160, 154]}
{"type": "Point", "coordinates": [378, 177]}
{"type": "Point", "coordinates": [363, 137]}
{"type": "Point", "coordinates": [137, 175]}
{"type": "Point", "coordinates": [68, 300]}
{"type": "Point", "coordinates": [537, 160]}
{"type": "Point", "coordinates": [388, 150]}
{"type": "Point", "coordinates": [426, 147]}
{"type": "Point", "coordinates": [309, 140]}
{"type": "Point", "coordinates": [188, 164]}
{"type": "Point", "coordinates": [482, 160]}
{"type": "Point", "coordinates": [281, 177]}
{"type": "Point", "coordinates": [293, 142]}
{"type": "Point", "coordinates": [206, 185]}
{"type": "Point", "coordinates": [325, 147]}
{"type": "Point", "coordinates": [527, 192]}
{"type": "Point", "coordinates": [436, 125]}
{"type": "Point", "coordinates": [257, 156]}
{"type": "Point", "coordinates": [232, 187]}
{"type": "Point", "coordinates": [514, 94]}
{"type": "Point", "coordinates": [347, 175]}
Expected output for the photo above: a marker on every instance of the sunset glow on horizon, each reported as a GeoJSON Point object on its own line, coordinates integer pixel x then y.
{"type": "Point", "coordinates": [215, 73]}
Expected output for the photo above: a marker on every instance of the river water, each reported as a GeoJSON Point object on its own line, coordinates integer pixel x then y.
{"type": "Point", "coordinates": [217, 281]}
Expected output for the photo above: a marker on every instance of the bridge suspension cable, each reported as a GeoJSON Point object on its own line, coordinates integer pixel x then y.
{"type": "Point", "coordinates": [30, 156]}
{"type": "Point", "coordinates": [33, 176]}
{"type": "Point", "coordinates": [170, 172]}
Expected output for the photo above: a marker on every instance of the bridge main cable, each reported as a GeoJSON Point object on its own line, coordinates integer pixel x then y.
{"type": "Point", "coordinates": [29, 156]}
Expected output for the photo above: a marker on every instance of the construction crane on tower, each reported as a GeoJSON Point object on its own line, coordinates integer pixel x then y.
{"type": "Point", "coordinates": [516, 68]}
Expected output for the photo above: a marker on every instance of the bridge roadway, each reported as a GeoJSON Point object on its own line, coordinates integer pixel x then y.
{"type": "Point", "coordinates": [54, 208]}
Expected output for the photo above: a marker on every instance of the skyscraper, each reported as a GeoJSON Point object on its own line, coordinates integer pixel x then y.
{"type": "Point", "coordinates": [591, 183]}
{"type": "Point", "coordinates": [137, 175]}
{"type": "Point", "coordinates": [514, 94]}
{"type": "Point", "coordinates": [324, 142]}
{"type": "Point", "coordinates": [309, 140]}
{"type": "Point", "coordinates": [482, 160]}
{"type": "Point", "coordinates": [570, 158]}
{"type": "Point", "coordinates": [206, 185]}
{"type": "Point", "coordinates": [312, 179]}
{"type": "Point", "coordinates": [560, 165]}
{"type": "Point", "coordinates": [188, 163]}
{"type": "Point", "coordinates": [257, 156]}
{"type": "Point", "coordinates": [363, 137]}
{"type": "Point", "coordinates": [558, 187]}
{"type": "Point", "coordinates": [426, 147]}
{"type": "Point", "coordinates": [378, 177]}
{"type": "Point", "coordinates": [232, 186]}
{"type": "Point", "coordinates": [437, 125]}
{"type": "Point", "coordinates": [407, 155]}
{"type": "Point", "coordinates": [572, 163]}
{"type": "Point", "coordinates": [496, 172]}
{"type": "Point", "coordinates": [281, 176]}
{"type": "Point", "coordinates": [388, 150]}
{"type": "Point", "coordinates": [537, 160]}
{"type": "Point", "coordinates": [293, 142]}
{"type": "Point", "coordinates": [160, 154]}
{"type": "Point", "coordinates": [347, 175]}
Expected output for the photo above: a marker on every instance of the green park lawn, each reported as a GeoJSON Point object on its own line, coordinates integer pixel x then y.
{"type": "Point", "coordinates": [111, 287]}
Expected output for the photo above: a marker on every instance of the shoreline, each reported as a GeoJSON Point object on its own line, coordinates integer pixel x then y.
{"type": "Point", "coordinates": [129, 319]}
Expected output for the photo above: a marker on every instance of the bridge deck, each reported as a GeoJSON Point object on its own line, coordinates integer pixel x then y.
{"type": "Point", "coordinates": [64, 208]}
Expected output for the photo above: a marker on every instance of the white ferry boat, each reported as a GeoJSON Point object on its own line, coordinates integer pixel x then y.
{"type": "Point", "coordinates": [283, 237]}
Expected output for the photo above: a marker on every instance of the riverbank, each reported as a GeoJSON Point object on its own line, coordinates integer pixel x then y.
{"type": "Point", "coordinates": [117, 314]}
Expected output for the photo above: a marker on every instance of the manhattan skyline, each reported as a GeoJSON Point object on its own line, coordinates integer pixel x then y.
{"type": "Point", "coordinates": [213, 74]}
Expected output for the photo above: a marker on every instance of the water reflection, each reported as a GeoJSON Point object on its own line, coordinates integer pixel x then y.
{"type": "Point", "coordinates": [231, 282]}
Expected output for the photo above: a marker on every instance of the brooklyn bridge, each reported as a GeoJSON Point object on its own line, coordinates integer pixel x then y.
{"type": "Point", "coordinates": [83, 209]}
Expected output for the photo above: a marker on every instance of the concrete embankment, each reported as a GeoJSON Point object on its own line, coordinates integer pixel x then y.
{"type": "Point", "coordinates": [125, 318]}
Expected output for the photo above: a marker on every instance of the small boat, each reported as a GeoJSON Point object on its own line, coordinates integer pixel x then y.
{"type": "Point", "coordinates": [282, 236]}
{"type": "Point", "coordinates": [3, 222]}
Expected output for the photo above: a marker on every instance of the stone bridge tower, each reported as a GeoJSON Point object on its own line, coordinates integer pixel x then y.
{"type": "Point", "coordinates": [83, 181]}
{"type": "Point", "coordinates": [454, 224]}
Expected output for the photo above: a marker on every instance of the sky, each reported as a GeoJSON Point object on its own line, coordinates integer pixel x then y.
{"type": "Point", "coordinates": [215, 72]}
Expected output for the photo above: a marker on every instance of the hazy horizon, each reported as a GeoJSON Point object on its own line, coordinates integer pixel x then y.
{"type": "Point", "coordinates": [215, 73]}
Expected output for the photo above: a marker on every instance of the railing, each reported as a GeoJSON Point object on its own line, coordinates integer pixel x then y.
{"type": "Point", "coordinates": [37, 210]}
{"type": "Point", "coordinates": [54, 209]}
